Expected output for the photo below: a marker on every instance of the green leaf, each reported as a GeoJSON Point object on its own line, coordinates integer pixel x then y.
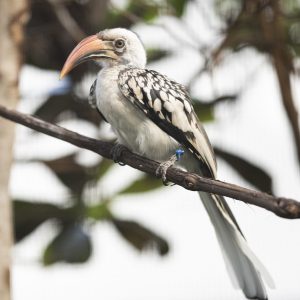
{"type": "Point", "coordinates": [103, 167]}
{"type": "Point", "coordinates": [118, 18]}
{"type": "Point", "coordinates": [144, 184]}
{"type": "Point", "coordinates": [71, 245]}
{"type": "Point", "coordinates": [29, 215]}
{"type": "Point", "coordinates": [178, 6]}
{"type": "Point", "coordinates": [205, 112]}
{"type": "Point", "coordinates": [248, 170]}
{"type": "Point", "coordinates": [205, 109]}
{"type": "Point", "coordinates": [150, 13]}
{"type": "Point", "coordinates": [156, 54]}
{"type": "Point", "coordinates": [140, 237]}
{"type": "Point", "coordinates": [99, 212]}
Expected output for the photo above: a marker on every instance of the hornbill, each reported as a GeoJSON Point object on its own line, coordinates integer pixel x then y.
{"type": "Point", "coordinates": [153, 116]}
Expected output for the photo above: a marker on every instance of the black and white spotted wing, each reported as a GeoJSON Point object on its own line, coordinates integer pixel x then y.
{"type": "Point", "coordinates": [92, 95]}
{"type": "Point", "coordinates": [93, 100]}
{"type": "Point", "coordinates": [168, 105]}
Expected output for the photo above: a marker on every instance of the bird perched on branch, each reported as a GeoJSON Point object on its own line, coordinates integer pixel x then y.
{"type": "Point", "coordinates": [153, 116]}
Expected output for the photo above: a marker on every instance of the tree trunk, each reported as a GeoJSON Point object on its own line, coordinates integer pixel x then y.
{"type": "Point", "coordinates": [12, 19]}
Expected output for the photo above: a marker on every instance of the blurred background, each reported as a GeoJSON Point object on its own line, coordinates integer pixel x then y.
{"type": "Point", "coordinates": [87, 228]}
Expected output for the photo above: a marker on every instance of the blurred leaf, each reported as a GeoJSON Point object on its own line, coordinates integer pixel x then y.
{"type": "Point", "coordinates": [29, 215]}
{"type": "Point", "coordinates": [58, 104]}
{"type": "Point", "coordinates": [103, 167]}
{"type": "Point", "coordinates": [73, 175]}
{"type": "Point", "coordinates": [144, 184]}
{"type": "Point", "coordinates": [178, 6]}
{"type": "Point", "coordinates": [204, 111]}
{"type": "Point", "coordinates": [156, 54]}
{"type": "Point", "coordinates": [145, 9]}
{"type": "Point", "coordinates": [71, 245]}
{"type": "Point", "coordinates": [134, 12]}
{"type": "Point", "coordinates": [119, 18]}
{"type": "Point", "coordinates": [249, 171]}
{"type": "Point", "coordinates": [99, 212]}
{"type": "Point", "coordinates": [224, 98]}
{"type": "Point", "coordinates": [140, 237]}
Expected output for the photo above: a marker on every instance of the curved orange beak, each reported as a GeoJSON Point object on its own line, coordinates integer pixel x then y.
{"type": "Point", "coordinates": [89, 48]}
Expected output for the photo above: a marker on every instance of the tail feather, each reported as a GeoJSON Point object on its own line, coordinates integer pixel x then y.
{"type": "Point", "coordinates": [244, 267]}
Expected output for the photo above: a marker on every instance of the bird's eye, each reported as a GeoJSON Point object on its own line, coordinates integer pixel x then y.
{"type": "Point", "coordinates": [119, 43]}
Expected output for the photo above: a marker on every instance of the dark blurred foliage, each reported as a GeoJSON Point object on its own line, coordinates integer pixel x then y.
{"type": "Point", "coordinates": [56, 26]}
{"type": "Point", "coordinates": [272, 27]}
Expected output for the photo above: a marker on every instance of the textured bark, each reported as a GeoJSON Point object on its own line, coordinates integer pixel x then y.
{"type": "Point", "coordinates": [283, 207]}
{"type": "Point", "coordinates": [12, 18]}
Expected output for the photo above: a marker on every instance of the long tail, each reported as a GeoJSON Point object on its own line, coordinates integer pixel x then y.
{"type": "Point", "coordinates": [245, 270]}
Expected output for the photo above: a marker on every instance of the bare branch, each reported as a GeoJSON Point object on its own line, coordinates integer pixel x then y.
{"type": "Point", "coordinates": [286, 208]}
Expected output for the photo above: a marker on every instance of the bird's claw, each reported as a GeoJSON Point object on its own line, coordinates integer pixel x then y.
{"type": "Point", "coordinates": [116, 153]}
{"type": "Point", "coordinates": [162, 169]}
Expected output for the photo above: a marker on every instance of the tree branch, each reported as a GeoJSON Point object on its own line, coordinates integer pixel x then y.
{"type": "Point", "coordinates": [283, 207]}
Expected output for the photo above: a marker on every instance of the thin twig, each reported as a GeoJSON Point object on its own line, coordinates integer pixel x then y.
{"type": "Point", "coordinates": [67, 21]}
{"type": "Point", "coordinates": [283, 207]}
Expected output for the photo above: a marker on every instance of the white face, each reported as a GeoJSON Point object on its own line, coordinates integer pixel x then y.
{"type": "Point", "coordinates": [127, 45]}
{"type": "Point", "coordinates": [109, 47]}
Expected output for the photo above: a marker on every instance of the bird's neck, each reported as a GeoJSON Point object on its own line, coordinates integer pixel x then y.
{"type": "Point", "coordinates": [111, 63]}
{"type": "Point", "coordinates": [111, 72]}
{"type": "Point", "coordinates": [118, 67]}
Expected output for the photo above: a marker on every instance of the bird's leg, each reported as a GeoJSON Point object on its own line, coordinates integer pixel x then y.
{"type": "Point", "coordinates": [116, 153]}
{"type": "Point", "coordinates": [164, 166]}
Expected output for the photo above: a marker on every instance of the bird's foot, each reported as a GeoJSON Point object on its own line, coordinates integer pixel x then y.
{"type": "Point", "coordinates": [116, 153]}
{"type": "Point", "coordinates": [164, 166]}
{"type": "Point", "coordinates": [162, 169]}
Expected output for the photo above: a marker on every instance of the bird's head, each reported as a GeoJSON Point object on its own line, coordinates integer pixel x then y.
{"type": "Point", "coordinates": [108, 47]}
